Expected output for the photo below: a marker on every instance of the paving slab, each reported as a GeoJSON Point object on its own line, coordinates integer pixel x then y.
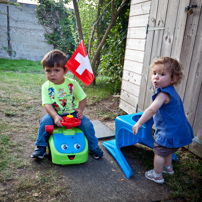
{"type": "Point", "coordinates": [102, 131]}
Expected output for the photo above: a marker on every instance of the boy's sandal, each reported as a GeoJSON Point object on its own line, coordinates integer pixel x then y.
{"type": "Point", "coordinates": [151, 175]}
{"type": "Point", "coordinates": [165, 170]}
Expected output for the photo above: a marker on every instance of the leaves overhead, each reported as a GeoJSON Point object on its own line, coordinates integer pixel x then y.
{"type": "Point", "coordinates": [104, 26]}
{"type": "Point", "coordinates": [55, 18]}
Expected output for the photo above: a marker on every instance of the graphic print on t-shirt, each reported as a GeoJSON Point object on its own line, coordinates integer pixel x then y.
{"type": "Point", "coordinates": [61, 92]}
{"type": "Point", "coordinates": [51, 92]}
{"type": "Point", "coordinates": [71, 88]}
{"type": "Point", "coordinates": [62, 98]}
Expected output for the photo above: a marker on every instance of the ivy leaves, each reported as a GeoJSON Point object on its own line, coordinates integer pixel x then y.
{"type": "Point", "coordinates": [55, 18]}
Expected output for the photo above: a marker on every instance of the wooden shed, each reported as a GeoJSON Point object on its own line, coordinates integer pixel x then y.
{"type": "Point", "coordinates": [165, 28]}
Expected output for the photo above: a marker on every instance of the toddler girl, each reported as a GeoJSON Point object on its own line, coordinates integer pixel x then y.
{"type": "Point", "coordinates": [172, 127]}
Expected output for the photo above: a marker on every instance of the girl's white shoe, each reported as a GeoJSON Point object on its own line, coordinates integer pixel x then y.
{"type": "Point", "coordinates": [151, 175]}
{"type": "Point", "coordinates": [166, 170]}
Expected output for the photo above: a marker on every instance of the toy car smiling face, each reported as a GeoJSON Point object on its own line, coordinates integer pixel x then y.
{"type": "Point", "coordinates": [68, 146]}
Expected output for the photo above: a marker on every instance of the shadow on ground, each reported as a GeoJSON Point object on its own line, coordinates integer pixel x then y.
{"type": "Point", "coordinates": [103, 180]}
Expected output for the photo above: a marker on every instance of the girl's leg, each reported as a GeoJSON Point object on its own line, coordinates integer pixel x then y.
{"type": "Point", "coordinates": [42, 134]}
{"type": "Point", "coordinates": [168, 160]}
{"type": "Point", "coordinates": [159, 161]}
{"type": "Point", "coordinates": [156, 174]}
{"type": "Point", "coordinates": [168, 165]}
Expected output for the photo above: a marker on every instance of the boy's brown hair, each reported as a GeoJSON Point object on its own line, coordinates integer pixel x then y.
{"type": "Point", "coordinates": [172, 65]}
{"type": "Point", "coordinates": [54, 58]}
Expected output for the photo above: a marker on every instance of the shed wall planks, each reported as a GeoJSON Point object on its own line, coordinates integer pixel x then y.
{"type": "Point", "coordinates": [198, 119]}
{"type": "Point", "coordinates": [131, 77]}
{"type": "Point", "coordinates": [172, 14]}
{"type": "Point", "coordinates": [129, 98]}
{"type": "Point", "coordinates": [138, 1]}
{"type": "Point", "coordinates": [136, 44]}
{"type": "Point", "coordinates": [194, 76]}
{"type": "Point", "coordinates": [180, 25]}
{"type": "Point", "coordinates": [131, 88]}
{"type": "Point", "coordinates": [156, 46]}
{"type": "Point", "coordinates": [140, 9]}
{"type": "Point", "coordinates": [158, 34]}
{"type": "Point", "coordinates": [136, 33]}
{"type": "Point", "coordinates": [147, 57]}
{"type": "Point", "coordinates": [130, 109]}
{"type": "Point", "coordinates": [134, 54]}
{"type": "Point", "coordinates": [133, 66]}
{"type": "Point", "coordinates": [188, 45]}
{"type": "Point", "coordinates": [181, 38]}
{"type": "Point", "coordinates": [138, 21]}
{"type": "Point", "coordinates": [195, 147]}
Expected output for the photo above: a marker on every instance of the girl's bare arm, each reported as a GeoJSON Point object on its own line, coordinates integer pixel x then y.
{"type": "Point", "coordinates": [160, 99]}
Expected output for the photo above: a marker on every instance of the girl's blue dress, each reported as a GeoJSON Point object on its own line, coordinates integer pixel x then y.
{"type": "Point", "coordinates": [173, 130]}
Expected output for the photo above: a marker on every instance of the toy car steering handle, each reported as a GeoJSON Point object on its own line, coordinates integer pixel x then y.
{"type": "Point", "coordinates": [70, 121]}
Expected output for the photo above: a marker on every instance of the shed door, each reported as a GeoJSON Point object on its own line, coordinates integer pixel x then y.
{"type": "Point", "coordinates": [165, 36]}
{"type": "Point", "coordinates": [190, 89]}
{"type": "Point", "coordinates": [173, 32]}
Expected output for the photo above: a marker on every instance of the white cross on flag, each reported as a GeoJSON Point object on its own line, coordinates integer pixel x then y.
{"type": "Point", "coordinates": [80, 66]}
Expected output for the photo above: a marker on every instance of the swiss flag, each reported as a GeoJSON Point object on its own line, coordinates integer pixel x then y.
{"type": "Point", "coordinates": [80, 66]}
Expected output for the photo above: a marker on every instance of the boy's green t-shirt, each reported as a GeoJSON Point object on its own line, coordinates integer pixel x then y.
{"type": "Point", "coordinates": [60, 96]}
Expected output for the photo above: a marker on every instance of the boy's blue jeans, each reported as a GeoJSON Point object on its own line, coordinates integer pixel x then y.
{"type": "Point", "coordinates": [86, 126]}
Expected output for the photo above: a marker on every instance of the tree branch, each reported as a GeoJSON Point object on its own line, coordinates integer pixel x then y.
{"type": "Point", "coordinates": [114, 17]}
{"type": "Point", "coordinates": [78, 21]}
{"type": "Point", "coordinates": [95, 25]}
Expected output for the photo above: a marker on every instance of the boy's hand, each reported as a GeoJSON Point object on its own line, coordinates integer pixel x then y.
{"type": "Point", "coordinates": [136, 127]}
{"type": "Point", "coordinates": [51, 111]}
{"type": "Point", "coordinates": [80, 109]}
{"type": "Point", "coordinates": [79, 113]}
{"type": "Point", "coordinates": [58, 120]}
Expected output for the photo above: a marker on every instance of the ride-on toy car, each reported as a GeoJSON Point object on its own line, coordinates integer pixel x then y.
{"type": "Point", "coordinates": [67, 144]}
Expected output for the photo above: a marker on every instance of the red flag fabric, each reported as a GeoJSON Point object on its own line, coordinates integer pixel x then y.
{"type": "Point", "coordinates": [80, 66]}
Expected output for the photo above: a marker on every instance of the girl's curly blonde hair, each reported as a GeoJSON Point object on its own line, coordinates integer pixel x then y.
{"type": "Point", "coordinates": [172, 65]}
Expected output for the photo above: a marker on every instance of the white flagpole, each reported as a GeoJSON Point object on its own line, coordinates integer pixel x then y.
{"type": "Point", "coordinates": [70, 109]}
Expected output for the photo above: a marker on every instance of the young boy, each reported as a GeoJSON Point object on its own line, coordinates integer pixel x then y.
{"type": "Point", "coordinates": [58, 101]}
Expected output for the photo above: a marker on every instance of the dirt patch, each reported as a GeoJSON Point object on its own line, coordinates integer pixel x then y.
{"type": "Point", "coordinates": [105, 111]}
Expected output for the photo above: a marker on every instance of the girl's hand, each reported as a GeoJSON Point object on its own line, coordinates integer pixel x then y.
{"type": "Point", "coordinates": [79, 113]}
{"type": "Point", "coordinates": [58, 120]}
{"type": "Point", "coordinates": [136, 127]}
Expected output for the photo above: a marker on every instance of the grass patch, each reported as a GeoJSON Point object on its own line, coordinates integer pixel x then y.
{"type": "Point", "coordinates": [186, 182]}
{"type": "Point", "coordinates": [20, 65]}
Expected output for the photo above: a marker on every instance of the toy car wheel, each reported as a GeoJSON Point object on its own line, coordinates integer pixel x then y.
{"type": "Point", "coordinates": [49, 153]}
